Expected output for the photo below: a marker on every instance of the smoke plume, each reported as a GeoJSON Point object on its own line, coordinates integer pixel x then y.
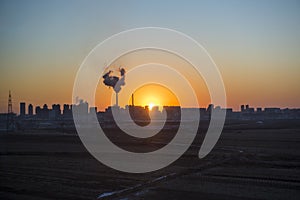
{"type": "Point", "coordinates": [114, 81]}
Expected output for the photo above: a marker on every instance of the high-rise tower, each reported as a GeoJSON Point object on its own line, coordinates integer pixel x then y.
{"type": "Point", "coordinates": [9, 110]}
{"type": "Point", "coordinates": [10, 115]}
{"type": "Point", "coordinates": [30, 109]}
{"type": "Point", "coordinates": [22, 109]}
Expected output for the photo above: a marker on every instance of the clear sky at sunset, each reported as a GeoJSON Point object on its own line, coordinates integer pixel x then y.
{"type": "Point", "coordinates": [255, 44]}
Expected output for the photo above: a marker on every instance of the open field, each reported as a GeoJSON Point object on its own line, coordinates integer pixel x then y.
{"type": "Point", "coordinates": [250, 161]}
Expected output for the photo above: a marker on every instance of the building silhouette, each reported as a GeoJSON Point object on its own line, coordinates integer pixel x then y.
{"type": "Point", "coordinates": [67, 111]}
{"type": "Point", "coordinates": [57, 119]}
{"type": "Point", "coordinates": [82, 107]}
{"type": "Point", "coordinates": [22, 109]}
{"type": "Point", "coordinates": [93, 110]}
{"type": "Point", "coordinates": [10, 122]}
{"type": "Point", "coordinates": [42, 113]}
{"type": "Point", "coordinates": [30, 109]}
{"type": "Point", "coordinates": [242, 108]}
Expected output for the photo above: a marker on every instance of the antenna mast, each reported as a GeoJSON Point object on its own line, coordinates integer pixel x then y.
{"type": "Point", "coordinates": [10, 120]}
{"type": "Point", "coordinates": [9, 110]}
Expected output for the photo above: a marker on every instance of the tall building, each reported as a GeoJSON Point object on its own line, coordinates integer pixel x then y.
{"type": "Point", "coordinates": [210, 108]}
{"type": "Point", "coordinates": [30, 109]}
{"type": "Point", "coordinates": [66, 109]}
{"type": "Point", "coordinates": [22, 108]}
{"type": "Point", "coordinates": [10, 114]}
{"type": "Point", "coordinates": [82, 107]}
{"type": "Point", "coordinates": [42, 113]}
{"type": "Point", "coordinates": [55, 112]}
{"type": "Point", "coordinates": [93, 109]}
{"type": "Point", "coordinates": [173, 112]}
{"type": "Point", "coordinates": [247, 107]}
{"type": "Point", "coordinates": [38, 110]}
{"type": "Point", "coordinates": [56, 109]}
{"type": "Point", "coordinates": [242, 108]}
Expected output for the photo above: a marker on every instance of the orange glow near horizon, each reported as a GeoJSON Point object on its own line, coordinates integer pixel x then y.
{"type": "Point", "coordinates": [154, 95]}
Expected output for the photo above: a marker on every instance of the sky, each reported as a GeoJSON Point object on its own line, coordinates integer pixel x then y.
{"type": "Point", "coordinates": [255, 44]}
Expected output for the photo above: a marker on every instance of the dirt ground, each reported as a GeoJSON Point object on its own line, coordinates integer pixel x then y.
{"type": "Point", "coordinates": [250, 161]}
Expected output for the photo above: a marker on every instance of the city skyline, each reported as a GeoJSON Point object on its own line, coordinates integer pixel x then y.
{"type": "Point", "coordinates": [30, 109]}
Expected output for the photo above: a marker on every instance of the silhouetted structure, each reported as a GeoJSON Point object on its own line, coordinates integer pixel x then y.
{"type": "Point", "coordinates": [242, 108]}
{"type": "Point", "coordinates": [10, 115]}
{"type": "Point", "coordinates": [210, 108]}
{"type": "Point", "coordinates": [30, 109]}
{"type": "Point", "coordinates": [93, 110]}
{"type": "Point", "coordinates": [115, 82]}
{"type": "Point", "coordinates": [67, 111]}
{"type": "Point", "coordinates": [132, 99]}
{"type": "Point", "coordinates": [42, 113]}
{"type": "Point", "coordinates": [22, 109]}
{"type": "Point", "coordinates": [54, 119]}
{"type": "Point", "coordinates": [139, 114]}
{"type": "Point", "coordinates": [9, 109]}
{"type": "Point", "coordinates": [247, 109]}
{"type": "Point", "coordinates": [173, 112]}
{"type": "Point", "coordinates": [55, 112]}
{"type": "Point", "coordinates": [82, 107]}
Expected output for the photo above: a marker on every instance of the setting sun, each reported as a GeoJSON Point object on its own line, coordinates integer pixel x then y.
{"type": "Point", "coordinates": [153, 95]}
{"type": "Point", "coordinates": [151, 105]}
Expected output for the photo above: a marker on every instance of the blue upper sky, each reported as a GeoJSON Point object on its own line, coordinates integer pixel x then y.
{"type": "Point", "coordinates": [45, 37]}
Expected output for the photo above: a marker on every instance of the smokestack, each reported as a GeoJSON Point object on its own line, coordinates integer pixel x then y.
{"type": "Point", "coordinates": [117, 99]}
{"type": "Point", "coordinates": [132, 99]}
{"type": "Point", "coordinates": [115, 82]}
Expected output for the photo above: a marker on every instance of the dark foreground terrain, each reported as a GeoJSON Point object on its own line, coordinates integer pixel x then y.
{"type": "Point", "coordinates": [250, 161]}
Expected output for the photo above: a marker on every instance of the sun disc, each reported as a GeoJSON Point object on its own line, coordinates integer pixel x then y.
{"type": "Point", "coordinates": [151, 105]}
